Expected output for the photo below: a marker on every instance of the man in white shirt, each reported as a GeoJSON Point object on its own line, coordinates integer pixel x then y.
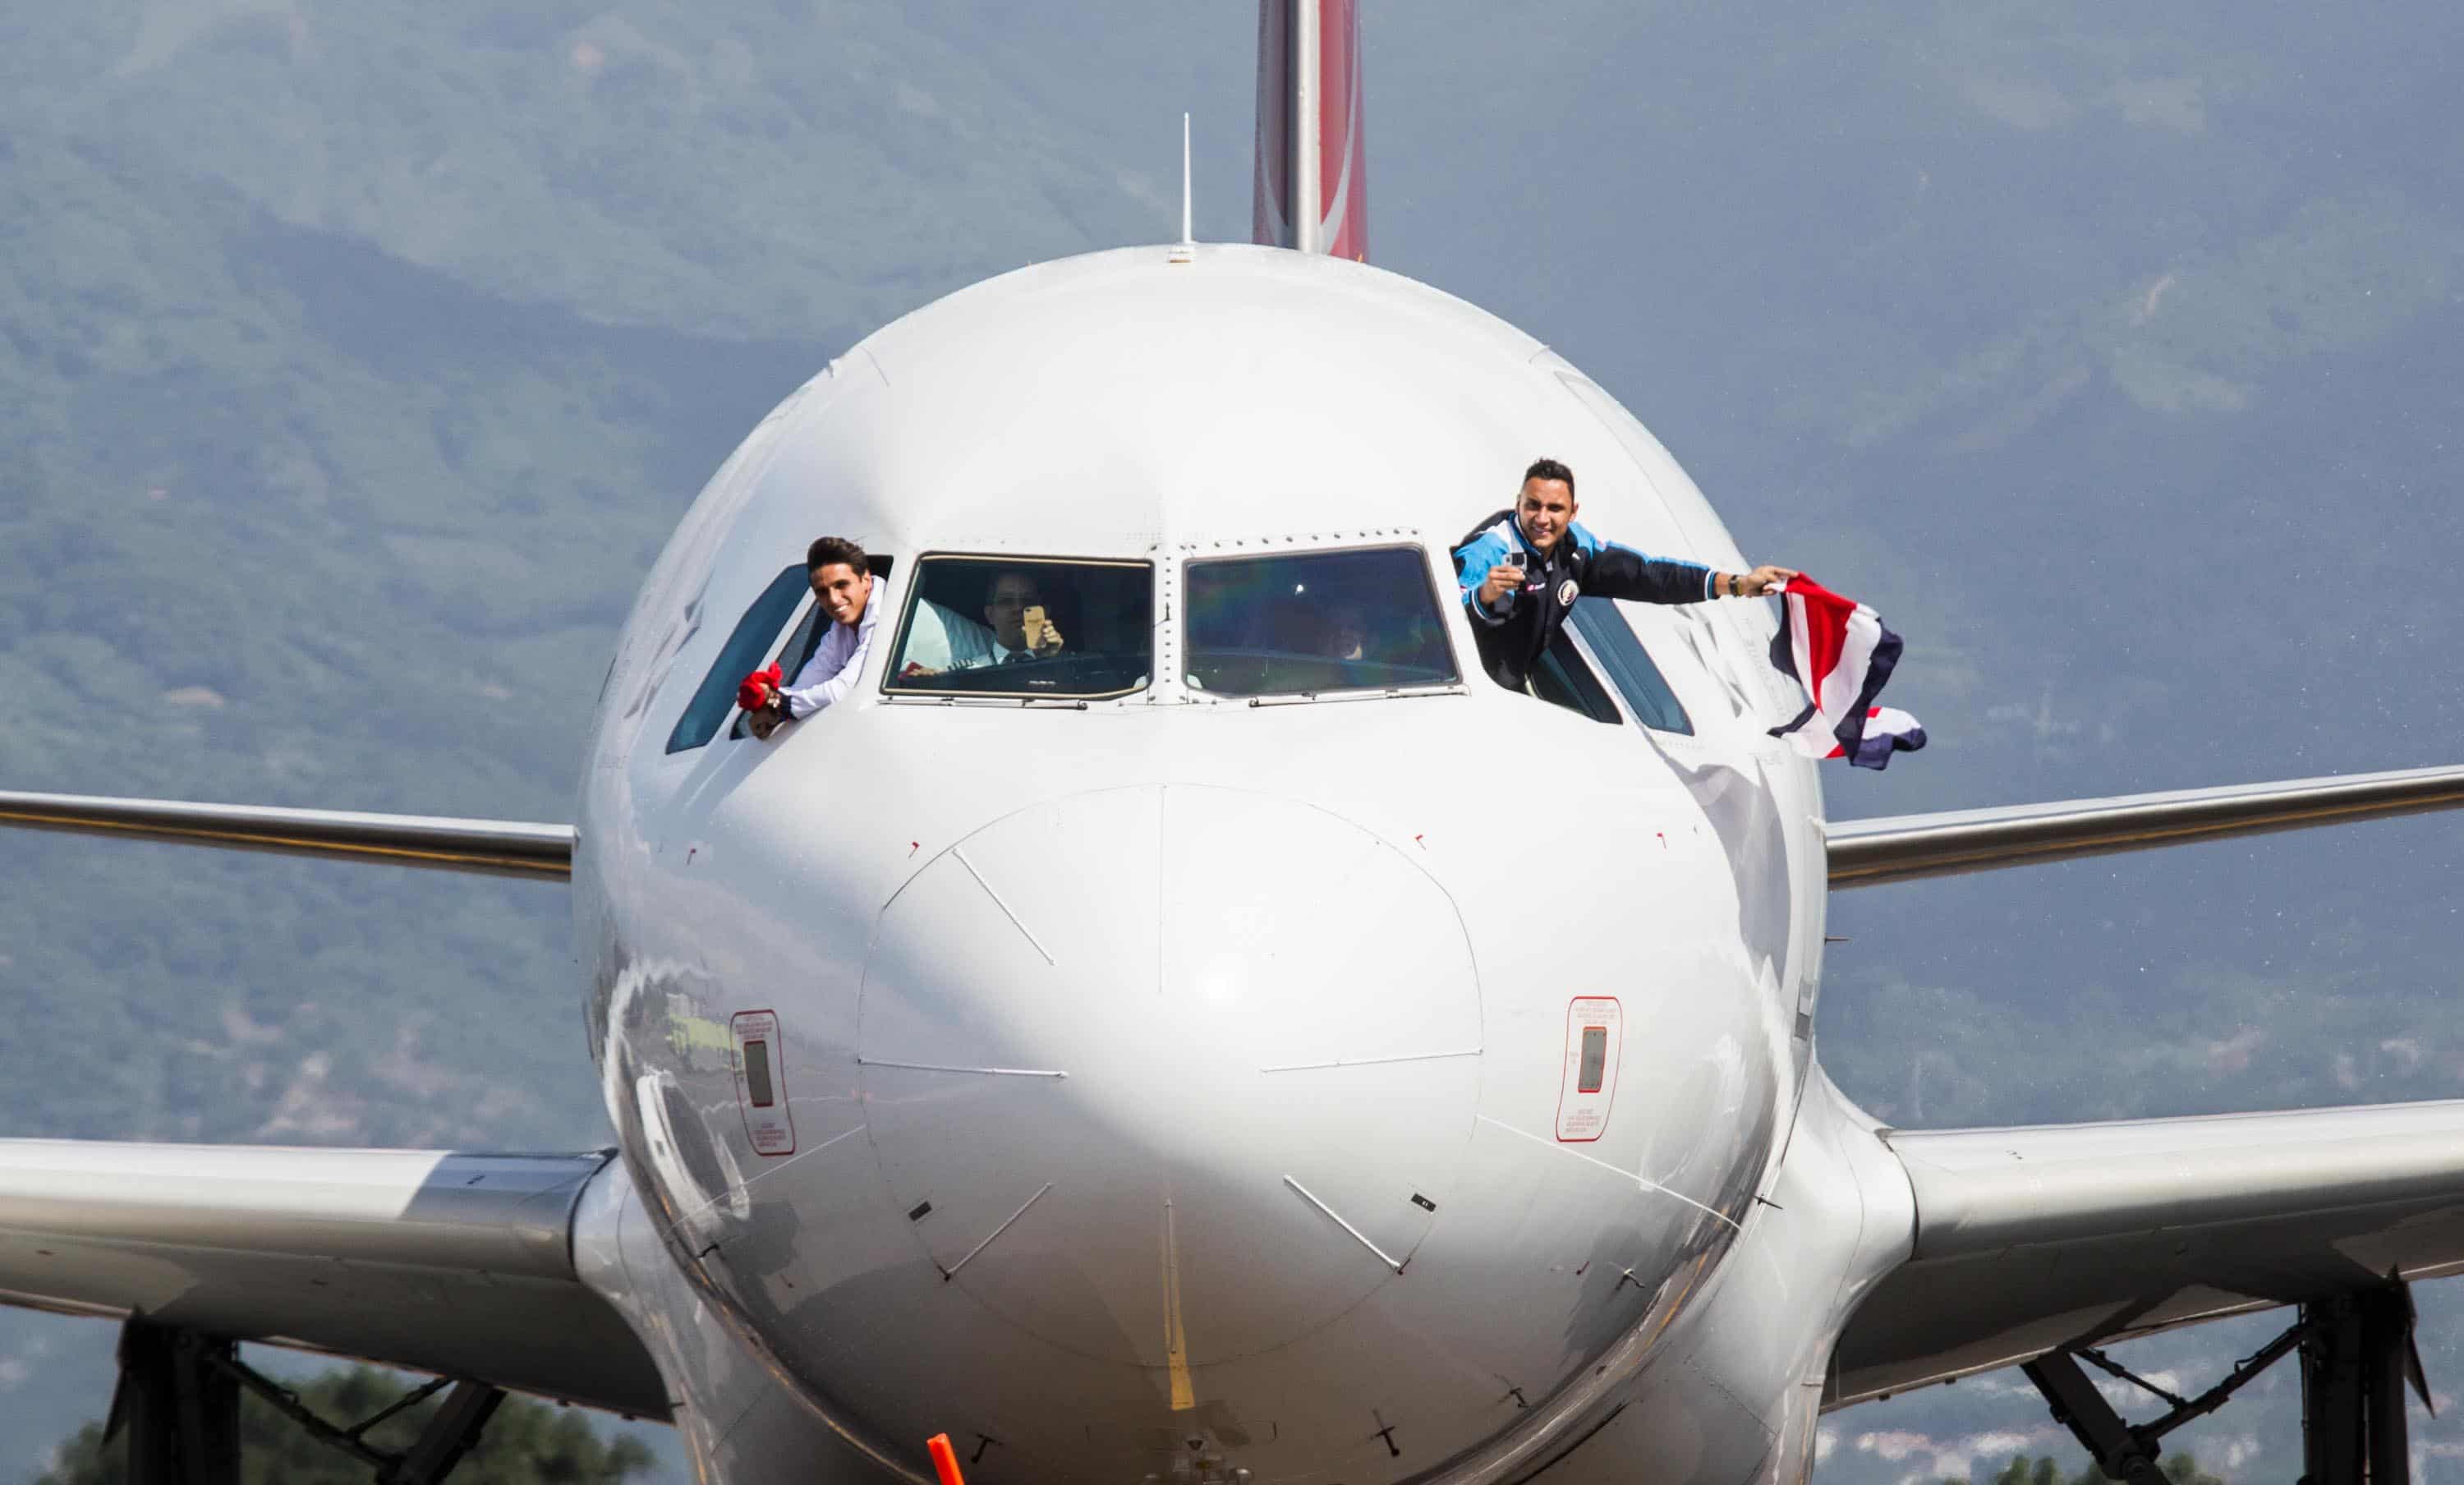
{"type": "Point", "coordinates": [843, 584]}
{"type": "Point", "coordinates": [1015, 628]}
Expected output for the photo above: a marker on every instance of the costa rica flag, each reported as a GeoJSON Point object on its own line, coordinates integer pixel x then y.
{"type": "Point", "coordinates": [1839, 650]}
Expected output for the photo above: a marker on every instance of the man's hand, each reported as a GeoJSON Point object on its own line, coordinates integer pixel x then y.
{"type": "Point", "coordinates": [764, 722]}
{"type": "Point", "coordinates": [1766, 579]}
{"type": "Point", "coordinates": [1502, 579]}
{"type": "Point", "coordinates": [1049, 644]}
{"type": "Point", "coordinates": [758, 689]}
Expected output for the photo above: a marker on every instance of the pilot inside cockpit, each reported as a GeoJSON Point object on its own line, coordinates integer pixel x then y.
{"type": "Point", "coordinates": [1030, 627]}
{"type": "Point", "coordinates": [1017, 627]}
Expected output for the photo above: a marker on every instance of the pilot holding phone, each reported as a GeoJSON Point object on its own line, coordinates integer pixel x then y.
{"type": "Point", "coordinates": [1523, 570]}
{"type": "Point", "coordinates": [1016, 628]}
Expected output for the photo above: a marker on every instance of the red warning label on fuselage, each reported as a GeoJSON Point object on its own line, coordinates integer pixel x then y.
{"type": "Point", "coordinates": [1594, 1026]}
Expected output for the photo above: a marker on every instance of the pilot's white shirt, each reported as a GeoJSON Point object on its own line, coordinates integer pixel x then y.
{"type": "Point", "coordinates": [835, 667]}
{"type": "Point", "coordinates": [944, 639]}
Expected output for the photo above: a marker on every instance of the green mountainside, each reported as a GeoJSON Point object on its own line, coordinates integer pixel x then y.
{"type": "Point", "coordinates": [526, 1442]}
{"type": "Point", "coordinates": [355, 362]}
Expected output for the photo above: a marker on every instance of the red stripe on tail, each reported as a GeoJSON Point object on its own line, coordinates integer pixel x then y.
{"type": "Point", "coordinates": [1340, 222]}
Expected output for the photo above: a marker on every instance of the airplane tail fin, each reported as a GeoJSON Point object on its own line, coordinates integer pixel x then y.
{"type": "Point", "coordinates": [1312, 178]}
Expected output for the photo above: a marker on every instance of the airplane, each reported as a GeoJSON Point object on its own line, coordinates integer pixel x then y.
{"type": "Point", "coordinates": [1148, 1062]}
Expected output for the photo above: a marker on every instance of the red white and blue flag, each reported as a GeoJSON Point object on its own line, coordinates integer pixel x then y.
{"type": "Point", "coordinates": [1838, 649]}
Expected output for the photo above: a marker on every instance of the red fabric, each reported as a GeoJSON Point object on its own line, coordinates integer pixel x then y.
{"type": "Point", "coordinates": [1826, 629]}
{"type": "Point", "coordinates": [756, 689]}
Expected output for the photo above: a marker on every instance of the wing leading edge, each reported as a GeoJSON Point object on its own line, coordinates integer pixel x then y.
{"type": "Point", "coordinates": [1867, 852]}
{"type": "Point", "coordinates": [2033, 1239]}
{"type": "Point", "coordinates": [505, 848]}
{"type": "Point", "coordinates": [457, 1264]}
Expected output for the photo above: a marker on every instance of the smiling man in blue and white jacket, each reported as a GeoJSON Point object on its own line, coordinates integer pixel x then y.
{"type": "Point", "coordinates": [1521, 571]}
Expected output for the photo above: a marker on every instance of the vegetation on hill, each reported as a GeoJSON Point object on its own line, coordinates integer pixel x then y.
{"type": "Point", "coordinates": [526, 1442]}
{"type": "Point", "coordinates": [2180, 1468]}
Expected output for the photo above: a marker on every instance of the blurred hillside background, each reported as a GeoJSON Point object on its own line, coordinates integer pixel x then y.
{"type": "Point", "coordinates": [355, 361]}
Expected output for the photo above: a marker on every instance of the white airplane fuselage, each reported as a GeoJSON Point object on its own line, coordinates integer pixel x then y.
{"type": "Point", "coordinates": [1171, 1085]}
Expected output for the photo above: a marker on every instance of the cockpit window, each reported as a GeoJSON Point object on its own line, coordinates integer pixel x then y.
{"type": "Point", "coordinates": [1315, 621]}
{"type": "Point", "coordinates": [1561, 678]}
{"type": "Point", "coordinates": [1025, 627]}
{"type": "Point", "coordinates": [1629, 666]}
{"type": "Point", "coordinates": [716, 697]}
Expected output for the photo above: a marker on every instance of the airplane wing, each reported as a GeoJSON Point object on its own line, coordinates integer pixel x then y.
{"type": "Point", "coordinates": [1866, 853]}
{"type": "Point", "coordinates": [510, 847]}
{"type": "Point", "coordinates": [457, 1264]}
{"type": "Point", "coordinates": [2035, 1240]}
{"type": "Point", "coordinates": [1862, 853]}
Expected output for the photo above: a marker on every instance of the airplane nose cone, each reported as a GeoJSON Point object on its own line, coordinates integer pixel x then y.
{"type": "Point", "coordinates": [1170, 1075]}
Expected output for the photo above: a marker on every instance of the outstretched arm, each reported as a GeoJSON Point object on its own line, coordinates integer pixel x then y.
{"type": "Point", "coordinates": [1622, 573]}
{"type": "Point", "coordinates": [801, 701]}
{"type": "Point", "coordinates": [1764, 579]}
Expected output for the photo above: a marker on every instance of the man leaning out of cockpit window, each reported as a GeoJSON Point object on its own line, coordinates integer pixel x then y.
{"type": "Point", "coordinates": [1521, 571]}
{"type": "Point", "coordinates": [842, 583]}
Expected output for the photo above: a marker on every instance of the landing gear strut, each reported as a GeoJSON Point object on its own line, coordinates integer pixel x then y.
{"type": "Point", "coordinates": [2355, 1362]}
{"type": "Point", "coordinates": [178, 1405]}
{"type": "Point", "coordinates": [180, 1411]}
{"type": "Point", "coordinates": [2357, 1355]}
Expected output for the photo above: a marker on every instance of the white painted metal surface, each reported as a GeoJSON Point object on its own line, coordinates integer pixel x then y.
{"type": "Point", "coordinates": [455, 1263]}
{"type": "Point", "coordinates": [1865, 853]}
{"type": "Point", "coordinates": [2027, 1239]}
{"type": "Point", "coordinates": [1177, 1068]}
{"type": "Point", "coordinates": [1306, 129]}
{"type": "Point", "coordinates": [512, 847]}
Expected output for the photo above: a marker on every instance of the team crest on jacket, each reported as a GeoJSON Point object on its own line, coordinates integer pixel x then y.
{"type": "Point", "coordinates": [1567, 591]}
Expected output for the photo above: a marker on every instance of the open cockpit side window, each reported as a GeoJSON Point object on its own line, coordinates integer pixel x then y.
{"type": "Point", "coordinates": [1302, 623]}
{"type": "Point", "coordinates": [1629, 666]}
{"type": "Point", "coordinates": [1026, 628]}
{"type": "Point", "coordinates": [746, 644]}
{"type": "Point", "coordinates": [1562, 678]}
{"type": "Point", "coordinates": [716, 697]}
{"type": "Point", "coordinates": [802, 641]}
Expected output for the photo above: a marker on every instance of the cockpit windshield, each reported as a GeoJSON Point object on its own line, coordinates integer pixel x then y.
{"type": "Point", "coordinates": [1315, 621]}
{"type": "Point", "coordinates": [1025, 627]}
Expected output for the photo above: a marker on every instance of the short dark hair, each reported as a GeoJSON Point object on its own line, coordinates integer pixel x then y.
{"type": "Point", "coordinates": [1551, 469]}
{"type": "Point", "coordinates": [831, 549]}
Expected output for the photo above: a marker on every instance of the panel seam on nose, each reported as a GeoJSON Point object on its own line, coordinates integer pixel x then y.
{"type": "Point", "coordinates": [952, 1272]}
{"type": "Point", "coordinates": [1013, 918]}
{"type": "Point", "coordinates": [1349, 1062]}
{"type": "Point", "coordinates": [1359, 1236]}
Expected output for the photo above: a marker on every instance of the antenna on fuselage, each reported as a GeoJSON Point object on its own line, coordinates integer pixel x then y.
{"type": "Point", "coordinates": [1186, 250]}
